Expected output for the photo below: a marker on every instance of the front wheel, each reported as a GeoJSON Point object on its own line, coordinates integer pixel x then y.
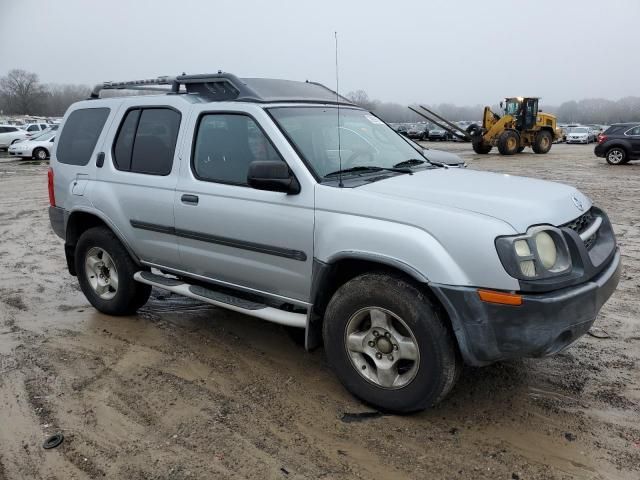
{"type": "Point", "coordinates": [542, 143]}
{"type": "Point", "coordinates": [41, 154]}
{"type": "Point", "coordinates": [105, 272]}
{"type": "Point", "coordinates": [480, 147]}
{"type": "Point", "coordinates": [388, 345]}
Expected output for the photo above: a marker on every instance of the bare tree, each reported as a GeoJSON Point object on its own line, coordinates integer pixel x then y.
{"type": "Point", "coordinates": [21, 92]}
{"type": "Point", "coordinates": [360, 98]}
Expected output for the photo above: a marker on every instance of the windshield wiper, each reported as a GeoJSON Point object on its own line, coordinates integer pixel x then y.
{"type": "Point", "coordinates": [416, 161]}
{"type": "Point", "coordinates": [363, 168]}
{"type": "Point", "coordinates": [409, 163]}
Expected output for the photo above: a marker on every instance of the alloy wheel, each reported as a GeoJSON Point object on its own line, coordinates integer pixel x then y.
{"type": "Point", "coordinates": [382, 347]}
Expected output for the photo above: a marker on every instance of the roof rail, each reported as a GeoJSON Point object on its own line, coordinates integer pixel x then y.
{"type": "Point", "coordinates": [223, 86]}
{"type": "Point", "coordinates": [148, 84]}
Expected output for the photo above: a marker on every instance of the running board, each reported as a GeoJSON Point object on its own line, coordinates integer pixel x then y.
{"type": "Point", "coordinates": [223, 300]}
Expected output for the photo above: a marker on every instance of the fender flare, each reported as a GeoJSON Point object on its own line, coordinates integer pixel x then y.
{"type": "Point", "coordinates": [104, 219]}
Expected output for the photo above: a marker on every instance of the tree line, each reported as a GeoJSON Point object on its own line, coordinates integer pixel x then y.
{"type": "Point", "coordinates": [21, 93]}
{"type": "Point", "coordinates": [589, 110]}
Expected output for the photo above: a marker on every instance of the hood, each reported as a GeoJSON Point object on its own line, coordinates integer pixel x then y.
{"type": "Point", "coordinates": [578, 134]}
{"type": "Point", "coordinates": [518, 201]}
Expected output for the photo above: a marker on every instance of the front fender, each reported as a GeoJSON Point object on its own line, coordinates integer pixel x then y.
{"type": "Point", "coordinates": [405, 247]}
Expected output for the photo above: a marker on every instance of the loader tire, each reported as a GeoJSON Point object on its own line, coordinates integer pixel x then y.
{"type": "Point", "coordinates": [542, 143]}
{"type": "Point", "coordinates": [473, 129]}
{"type": "Point", "coordinates": [508, 142]}
{"type": "Point", "coordinates": [480, 147]}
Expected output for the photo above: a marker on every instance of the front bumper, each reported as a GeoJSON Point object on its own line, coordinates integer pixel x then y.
{"type": "Point", "coordinates": [543, 325]}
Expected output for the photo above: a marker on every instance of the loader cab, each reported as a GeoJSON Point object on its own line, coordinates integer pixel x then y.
{"type": "Point", "coordinates": [524, 110]}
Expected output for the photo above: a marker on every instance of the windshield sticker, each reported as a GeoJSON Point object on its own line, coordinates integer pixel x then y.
{"type": "Point", "coordinates": [373, 119]}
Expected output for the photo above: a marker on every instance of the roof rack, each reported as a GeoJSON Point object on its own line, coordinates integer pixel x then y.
{"type": "Point", "coordinates": [227, 87]}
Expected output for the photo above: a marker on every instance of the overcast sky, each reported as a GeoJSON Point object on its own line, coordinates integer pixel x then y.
{"type": "Point", "coordinates": [462, 52]}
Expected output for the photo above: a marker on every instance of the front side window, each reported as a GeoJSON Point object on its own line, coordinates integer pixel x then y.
{"type": "Point", "coordinates": [365, 141]}
{"type": "Point", "coordinates": [226, 144]}
{"type": "Point", "coordinates": [80, 135]}
{"type": "Point", "coordinates": [146, 141]}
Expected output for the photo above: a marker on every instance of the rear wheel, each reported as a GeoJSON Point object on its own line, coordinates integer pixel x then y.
{"type": "Point", "coordinates": [616, 156]}
{"type": "Point", "coordinates": [388, 345]}
{"type": "Point", "coordinates": [508, 142]}
{"type": "Point", "coordinates": [542, 143]}
{"type": "Point", "coordinates": [105, 273]}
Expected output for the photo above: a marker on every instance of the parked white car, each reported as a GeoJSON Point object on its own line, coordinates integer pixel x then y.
{"type": "Point", "coordinates": [10, 134]}
{"type": "Point", "coordinates": [39, 146]}
{"type": "Point", "coordinates": [581, 135]}
{"type": "Point", "coordinates": [35, 128]}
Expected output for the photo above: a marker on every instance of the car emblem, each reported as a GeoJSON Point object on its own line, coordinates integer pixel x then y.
{"type": "Point", "coordinates": [577, 203]}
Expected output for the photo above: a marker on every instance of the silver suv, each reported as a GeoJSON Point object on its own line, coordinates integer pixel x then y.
{"type": "Point", "coordinates": [283, 201]}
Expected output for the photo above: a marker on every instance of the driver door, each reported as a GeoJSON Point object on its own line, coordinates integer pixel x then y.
{"type": "Point", "coordinates": [230, 233]}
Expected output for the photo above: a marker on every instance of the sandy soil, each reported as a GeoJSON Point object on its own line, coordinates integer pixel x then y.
{"type": "Point", "coordinates": [185, 390]}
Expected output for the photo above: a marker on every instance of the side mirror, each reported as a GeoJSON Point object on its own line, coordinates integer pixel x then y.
{"type": "Point", "coordinates": [272, 175]}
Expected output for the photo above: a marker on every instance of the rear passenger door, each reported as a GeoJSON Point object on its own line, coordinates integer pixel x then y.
{"type": "Point", "coordinates": [138, 177]}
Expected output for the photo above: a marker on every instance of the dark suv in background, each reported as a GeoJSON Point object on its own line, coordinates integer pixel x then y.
{"type": "Point", "coordinates": [619, 143]}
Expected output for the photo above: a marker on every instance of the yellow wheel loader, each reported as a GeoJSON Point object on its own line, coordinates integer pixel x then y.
{"type": "Point", "coordinates": [521, 126]}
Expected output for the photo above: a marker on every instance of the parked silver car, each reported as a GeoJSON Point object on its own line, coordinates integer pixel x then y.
{"type": "Point", "coordinates": [581, 135]}
{"type": "Point", "coordinates": [256, 196]}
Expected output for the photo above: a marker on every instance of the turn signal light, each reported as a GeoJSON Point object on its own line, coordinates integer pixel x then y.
{"type": "Point", "coordinates": [491, 296]}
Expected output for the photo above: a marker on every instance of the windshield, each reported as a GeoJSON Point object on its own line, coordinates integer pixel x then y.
{"type": "Point", "coordinates": [580, 130]}
{"type": "Point", "coordinates": [43, 137]}
{"type": "Point", "coordinates": [512, 107]}
{"type": "Point", "coordinates": [365, 140]}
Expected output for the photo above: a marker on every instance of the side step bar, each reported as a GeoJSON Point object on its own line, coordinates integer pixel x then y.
{"type": "Point", "coordinates": [223, 300]}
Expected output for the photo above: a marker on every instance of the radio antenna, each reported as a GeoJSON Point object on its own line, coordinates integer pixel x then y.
{"type": "Point", "coordinates": [340, 184]}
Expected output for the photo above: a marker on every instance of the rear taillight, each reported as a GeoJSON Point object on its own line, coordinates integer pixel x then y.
{"type": "Point", "coordinates": [52, 194]}
{"type": "Point", "coordinates": [602, 138]}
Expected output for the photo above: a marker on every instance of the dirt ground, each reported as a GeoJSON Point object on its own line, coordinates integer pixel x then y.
{"type": "Point", "coordinates": [186, 390]}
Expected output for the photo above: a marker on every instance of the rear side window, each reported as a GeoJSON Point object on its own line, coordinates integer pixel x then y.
{"type": "Point", "coordinates": [146, 141]}
{"type": "Point", "coordinates": [80, 135]}
{"type": "Point", "coordinates": [635, 131]}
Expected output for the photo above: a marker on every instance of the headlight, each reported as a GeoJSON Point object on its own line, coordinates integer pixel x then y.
{"type": "Point", "coordinates": [547, 250]}
{"type": "Point", "coordinates": [540, 253]}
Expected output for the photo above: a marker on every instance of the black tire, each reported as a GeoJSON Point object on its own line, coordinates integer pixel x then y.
{"type": "Point", "coordinates": [473, 129]}
{"type": "Point", "coordinates": [41, 153]}
{"type": "Point", "coordinates": [438, 366]}
{"type": "Point", "coordinates": [480, 147]}
{"type": "Point", "coordinates": [616, 156]}
{"type": "Point", "coordinates": [129, 295]}
{"type": "Point", "coordinates": [508, 142]}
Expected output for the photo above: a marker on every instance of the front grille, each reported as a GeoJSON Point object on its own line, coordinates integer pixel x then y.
{"type": "Point", "coordinates": [580, 224]}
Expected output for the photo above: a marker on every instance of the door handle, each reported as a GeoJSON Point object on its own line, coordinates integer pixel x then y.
{"type": "Point", "coordinates": [190, 199]}
{"type": "Point", "coordinates": [100, 160]}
